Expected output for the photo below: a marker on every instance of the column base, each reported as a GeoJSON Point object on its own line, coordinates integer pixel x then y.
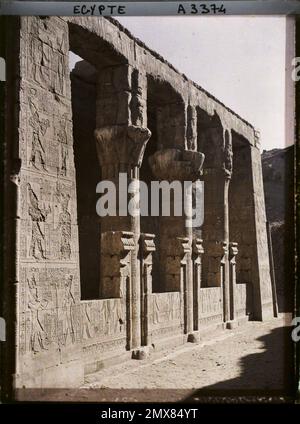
{"type": "Point", "coordinates": [231, 325]}
{"type": "Point", "coordinates": [141, 353]}
{"type": "Point", "coordinates": [193, 338]}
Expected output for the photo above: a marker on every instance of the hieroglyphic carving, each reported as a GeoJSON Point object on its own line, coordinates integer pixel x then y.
{"type": "Point", "coordinates": [50, 315]}
{"type": "Point", "coordinates": [103, 318]}
{"type": "Point", "coordinates": [87, 323]}
{"type": "Point", "coordinates": [36, 304]}
{"type": "Point", "coordinates": [38, 216]}
{"type": "Point", "coordinates": [40, 126]}
{"type": "Point", "coordinates": [191, 132]}
{"type": "Point", "coordinates": [165, 308]}
{"type": "Point", "coordinates": [62, 138]}
{"type": "Point", "coordinates": [211, 305]}
{"type": "Point", "coordinates": [138, 102]}
{"type": "Point", "coordinates": [64, 226]}
{"type": "Point", "coordinates": [48, 48]}
{"type": "Point", "coordinates": [67, 313]}
{"type": "Point", "coordinates": [227, 154]}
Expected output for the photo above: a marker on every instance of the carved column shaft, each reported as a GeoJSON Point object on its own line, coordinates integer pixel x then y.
{"type": "Point", "coordinates": [121, 97]}
{"type": "Point", "coordinates": [177, 269]}
{"type": "Point", "coordinates": [197, 271]}
{"type": "Point", "coordinates": [147, 249]}
{"type": "Point", "coordinates": [217, 177]}
{"type": "Point", "coordinates": [121, 139]}
{"type": "Point", "coordinates": [233, 251]}
{"type": "Point", "coordinates": [177, 252]}
{"type": "Point", "coordinates": [227, 168]}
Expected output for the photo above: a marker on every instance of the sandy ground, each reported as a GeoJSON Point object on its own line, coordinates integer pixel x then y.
{"type": "Point", "coordinates": [253, 358]}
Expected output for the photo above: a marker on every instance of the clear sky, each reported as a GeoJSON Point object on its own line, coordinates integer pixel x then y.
{"type": "Point", "coordinates": [240, 60]}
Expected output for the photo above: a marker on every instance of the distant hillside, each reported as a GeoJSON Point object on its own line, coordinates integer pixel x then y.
{"type": "Point", "coordinates": [278, 176]}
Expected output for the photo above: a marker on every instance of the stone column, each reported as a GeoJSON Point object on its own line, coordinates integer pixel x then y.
{"type": "Point", "coordinates": [120, 150]}
{"type": "Point", "coordinates": [116, 275]}
{"type": "Point", "coordinates": [197, 260]}
{"type": "Point", "coordinates": [177, 253]}
{"type": "Point", "coordinates": [217, 175]}
{"type": "Point", "coordinates": [173, 165]}
{"type": "Point", "coordinates": [233, 251]}
{"type": "Point", "coordinates": [147, 248]}
{"type": "Point", "coordinates": [121, 138]}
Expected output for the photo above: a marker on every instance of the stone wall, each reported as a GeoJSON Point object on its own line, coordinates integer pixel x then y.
{"type": "Point", "coordinates": [49, 310]}
{"type": "Point", "coordinates": [278, 176]}
{"type": "Point", "coordinates": [165, 315]}
{"type": "Point", "coordinates": [211, 306]}
{"type": "Point", "coordinates": [244, 300]}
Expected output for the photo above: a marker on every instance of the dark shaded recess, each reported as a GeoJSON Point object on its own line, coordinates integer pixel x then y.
{"type": "Point", "coordinates": [83, 84]}
{"type": "Point", "coordinates": [93, 48]}
{"type": "Point", "coordinates": [278, 175]}
{"type": "Point", "coordinates": [207, 125]}
{"type": "Point", "coordinates": [150, 224]}
{"type": "Point", "coordinates": [159, 94]}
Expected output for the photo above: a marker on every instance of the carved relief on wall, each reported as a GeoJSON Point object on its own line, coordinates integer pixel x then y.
{"type": "Point", "coordinates": [66, 316]}
{"type": "Point", "coordinates": [165, 308]}
{"type": "Point", "coordinates": [47, 61]}
{"type": "Point", "coordinates": [36, 304]}
{"type": "Point", "coordinates": [62, 138]}
{"type": "Point", "coordinates": [48, 231]}
{"type": "Point", "coordinates": [227, 154]}
{"type": "Point", "coordinates": [38, 215]}
{"type": "Point", "coordinates": [103, 318]}
{"type": "Point", "coordinates": [39, 126]}
{"type": "Point", "coordinates": [87, 328]}
{"type": "Point", "coordinates": [40, 146]}
{"type": "Point", "coordinates": [64, 224]}
{"type": "Point", "coordinates": [210, 301]}
{"type": "Point", "coordinates": [49, 308]}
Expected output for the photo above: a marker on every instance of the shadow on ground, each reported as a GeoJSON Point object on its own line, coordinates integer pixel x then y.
{"type": "Point", "coordinates": [267, 376]}
{"type": "Point", "coordinates": [269, 373]}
